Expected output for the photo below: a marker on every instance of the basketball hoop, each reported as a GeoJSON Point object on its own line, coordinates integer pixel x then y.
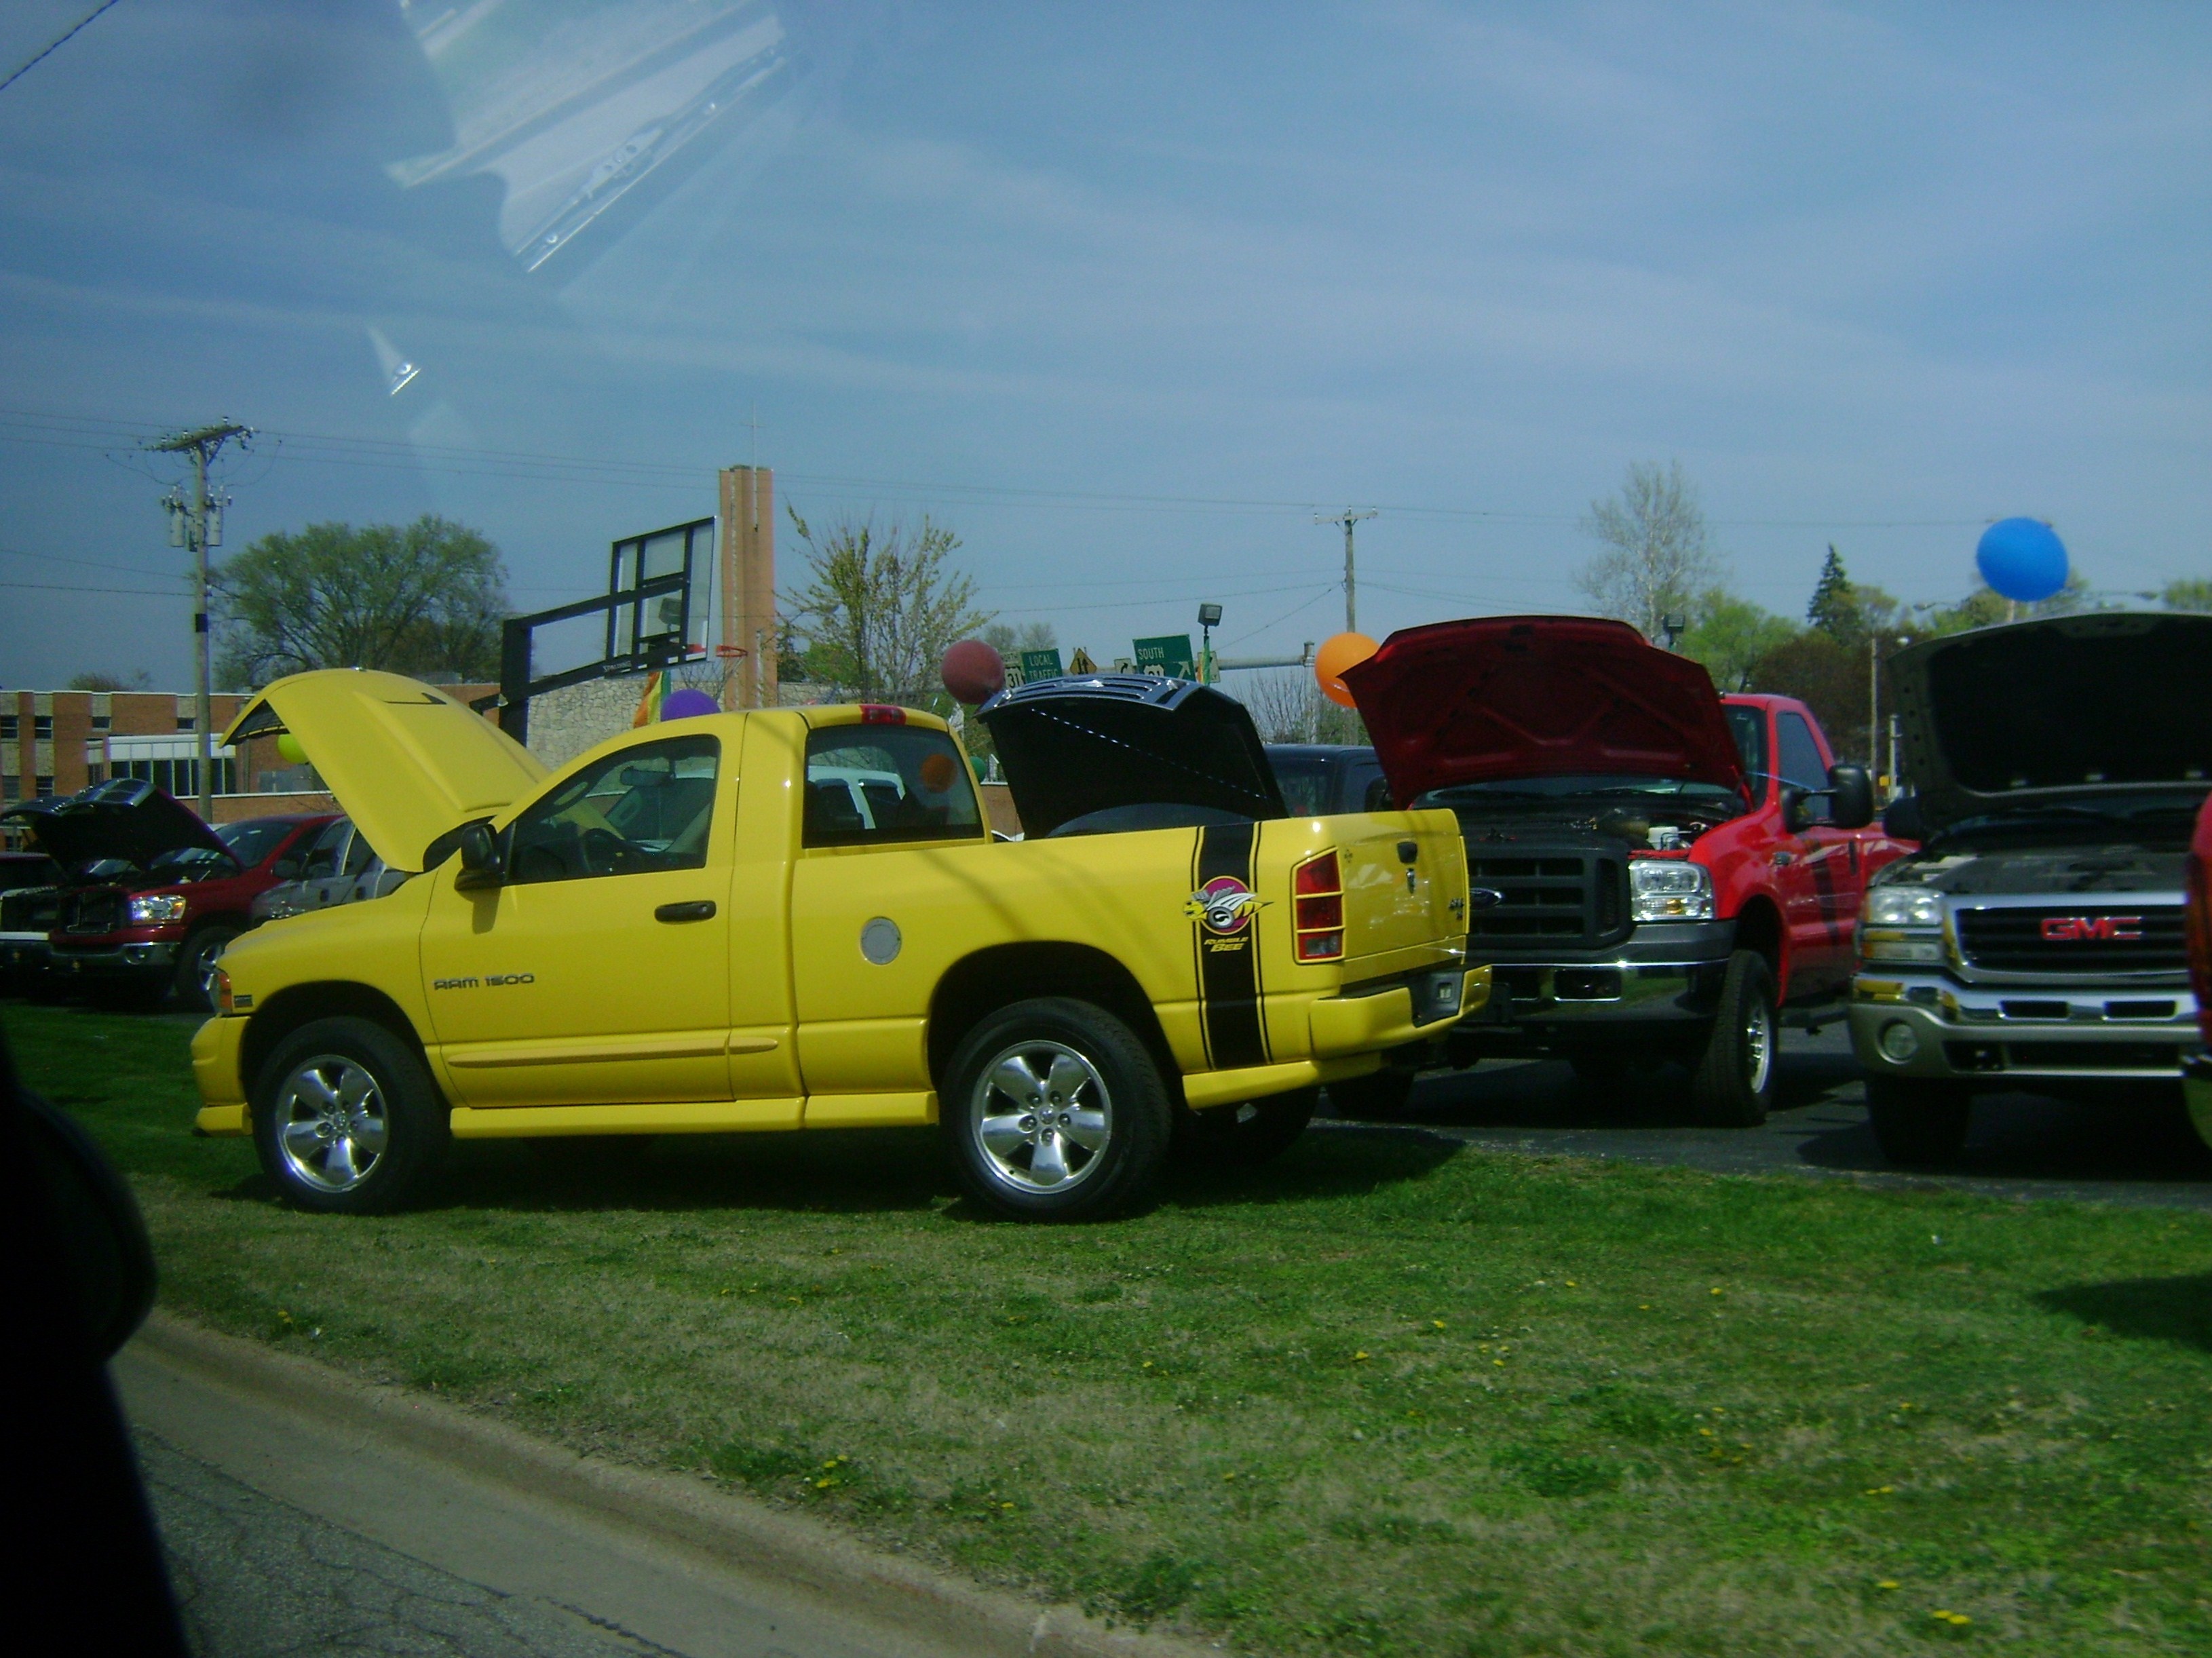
{"type": "Point", "coordinates": [731, 652]}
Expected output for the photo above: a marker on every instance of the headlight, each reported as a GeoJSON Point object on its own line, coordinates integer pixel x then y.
{"type": "Point", "coordinates": [156, 908]}
{"type": "Point", "coordinates": [1669, 890]}
{"type": "Point", "coordinates": [1901, 907]}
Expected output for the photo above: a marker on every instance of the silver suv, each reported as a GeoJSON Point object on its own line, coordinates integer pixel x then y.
{"type": "Point", "coordinates": [2036, 938]}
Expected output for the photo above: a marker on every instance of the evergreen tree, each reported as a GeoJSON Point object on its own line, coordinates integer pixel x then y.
{"type": "Point", "coordinates": [1835, 607]}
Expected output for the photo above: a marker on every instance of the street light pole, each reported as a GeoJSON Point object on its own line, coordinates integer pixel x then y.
{"type": "Point", "coordinates": [203, 444]}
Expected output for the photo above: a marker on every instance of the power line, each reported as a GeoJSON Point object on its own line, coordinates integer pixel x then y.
{"type": "Point", "coordinates": [59, 587]}
{"type": "Point", "coordinates": [56, 46]}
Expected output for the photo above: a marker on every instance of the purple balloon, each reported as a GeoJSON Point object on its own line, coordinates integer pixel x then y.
{"type": "Point", "coordinates": [2022, 559]}
{"type": "Point", "coordinates": [682, 705]}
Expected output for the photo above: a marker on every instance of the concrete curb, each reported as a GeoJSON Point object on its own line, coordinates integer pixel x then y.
{"type": "Point", "coordinates": [666, 1509]}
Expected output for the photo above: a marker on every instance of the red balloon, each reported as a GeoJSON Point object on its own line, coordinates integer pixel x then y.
{"type": "Point", "coordinates": [973, 672]}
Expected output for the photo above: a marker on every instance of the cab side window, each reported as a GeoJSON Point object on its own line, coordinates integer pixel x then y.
{"type": "Point", "coordinates": [330, 846]}
{"type": "Point", "coordinates": [643, 809]}
{"type": "Point", "coordinates": [870, 784]}
{"type": "Point", "coordinates": [357, 856]}
{"type": "Point", "coordinates": [1801, 767]}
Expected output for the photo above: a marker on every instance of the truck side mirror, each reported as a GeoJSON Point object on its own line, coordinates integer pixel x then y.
{"type": "Point", "coordinates": [1850, 792]}
{"type": "Point", "coordinates": [481, 863]}
{"type": "Point", "coordinates": [1902, 820]}
{"type": "Point", "coordinates": [1797, 813]}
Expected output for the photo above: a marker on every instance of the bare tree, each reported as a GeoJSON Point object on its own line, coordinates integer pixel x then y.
{"type": "Point", "coordinates": [882, 609]}
{"type": "Point", "coordinates": [1657, 550]}
{"type": "Point", "coordinates": [1287, 707]}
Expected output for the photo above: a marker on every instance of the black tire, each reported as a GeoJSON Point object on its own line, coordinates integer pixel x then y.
{"type": "Point", "coordinates": [196, 961]}
{"type": "Point", "coordinates": [354, 1150]}
{"type": "Point", "coordinates": [1247, 1135]}
{"type": "Point", "coordinates": [1078, 1116]}
{"type": "Point", "coordinates": [1732, 1078]}
{"type": "Point", "coordinates": [1379, 1096]}
{"type": "Point", "coordinates": [1919, 1124]}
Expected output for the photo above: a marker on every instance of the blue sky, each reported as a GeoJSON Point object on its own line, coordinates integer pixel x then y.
{"type": "Point", "coordinates": [1126, 295]}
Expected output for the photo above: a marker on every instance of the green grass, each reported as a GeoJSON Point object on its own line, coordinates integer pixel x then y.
{"type": "Point", "coordinates": [1390, 1396]}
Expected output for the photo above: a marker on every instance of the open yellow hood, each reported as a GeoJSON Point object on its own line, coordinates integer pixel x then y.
{"type": "Point", "coordinates": [406, 762]}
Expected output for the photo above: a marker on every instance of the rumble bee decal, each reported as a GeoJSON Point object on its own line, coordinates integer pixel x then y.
{"type": "Point", "coordinates": [1225, 926]}
{"type": "Point", "coordinates": [1224, 906]}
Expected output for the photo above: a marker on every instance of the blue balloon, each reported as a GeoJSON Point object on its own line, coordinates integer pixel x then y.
{"type": "Point", "coordinates": [2021, 558]}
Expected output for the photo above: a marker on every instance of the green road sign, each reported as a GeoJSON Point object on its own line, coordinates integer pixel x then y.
{"type": "Point", "coordinates": [1170, 655]}
{"type": "Point", "coordinates": [1041, 664]}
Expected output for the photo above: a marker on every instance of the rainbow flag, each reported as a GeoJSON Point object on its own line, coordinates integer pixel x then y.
{"type": "Point", "coordinates": [648, 706]}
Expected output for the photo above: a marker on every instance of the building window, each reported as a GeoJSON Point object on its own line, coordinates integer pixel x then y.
{"type": "Point", "coordinates": [186, 721]}
{"type": "Point", "coordinates": [42, 725]}
{"type": "Point", "coordinates": [11, 787]}
{"type": "Point", "coordinates": [46, 786]}
{"type": "Point", "coordinates": [92, 774]}
{"type": "Point", "coordinates": [180, 777]}
{"type": "Point", "coordinates": [8, 724]}
{"type": "Point", "coordinates": [101, 722]}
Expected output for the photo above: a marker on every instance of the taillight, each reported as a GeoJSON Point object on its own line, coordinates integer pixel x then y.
{"type": "Point", "coordinates": [882, 714]}
{"type": "Point", "coordinates": [2197, 924]}
{"type": "Point", "coordinates": [1317, 886]}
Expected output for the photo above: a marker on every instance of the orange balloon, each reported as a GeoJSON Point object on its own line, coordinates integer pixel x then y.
{"type": "Point", "coordinates": [1335, 655]}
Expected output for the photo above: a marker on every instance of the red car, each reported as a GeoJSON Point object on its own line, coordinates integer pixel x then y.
{"type": "Point", "coordinates": [158, 893]}
{"type": "Point", "coordinates": [2197, 1069]}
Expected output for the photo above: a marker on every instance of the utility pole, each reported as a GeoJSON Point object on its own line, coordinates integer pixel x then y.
{"type": "Point", "coordinates": [1347, 518]}
{"type": "Point", "coordinates": [203, 444]}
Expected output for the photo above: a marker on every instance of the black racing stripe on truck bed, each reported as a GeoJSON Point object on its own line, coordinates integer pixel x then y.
{"type": "Point", "coordinates": [1229, 977]}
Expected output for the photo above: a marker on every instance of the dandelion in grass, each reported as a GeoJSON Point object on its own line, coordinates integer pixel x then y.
{"type": "Point", "coordinates": [1356, 1356]}
{"type": "Point", "coordinates": [1889, 1584]}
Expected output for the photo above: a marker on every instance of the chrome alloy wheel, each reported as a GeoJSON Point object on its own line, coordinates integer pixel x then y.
{"type": "Point", "coordinates": [331, 1123]}
{"type": "Point", "coordinates": [1042, 1116]}
{"type": "Point", "coordinates": [1758, 1044]}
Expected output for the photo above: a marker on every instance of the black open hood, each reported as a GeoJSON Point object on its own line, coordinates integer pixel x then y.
{"type": "Point", "coordinates": [124, 817]}
{"type": "Point", "coordinates": [2063, 709]}
{"type": "Point", "coordinates": [1075, 746]}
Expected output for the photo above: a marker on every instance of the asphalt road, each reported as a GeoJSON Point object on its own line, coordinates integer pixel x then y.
{"type": "Point", "coordinates": [290, 1534]}
{"type": "Point", "coordinates": [2129, 1147]}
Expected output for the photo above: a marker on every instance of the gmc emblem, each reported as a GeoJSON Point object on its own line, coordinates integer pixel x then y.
{"type": "Point", "coordinates": [2082, 929]}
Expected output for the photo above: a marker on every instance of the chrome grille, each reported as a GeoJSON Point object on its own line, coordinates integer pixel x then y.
{"type": "Point", "coordinates": [2015, 939]}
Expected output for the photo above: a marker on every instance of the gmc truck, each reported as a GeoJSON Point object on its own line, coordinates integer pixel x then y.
{"type": "Point", "coordinates": [1654, 872]}
{"type": "Point", "coordinates": [698, 928]}
{"type": "Point", "coordinates": [2036, 938]}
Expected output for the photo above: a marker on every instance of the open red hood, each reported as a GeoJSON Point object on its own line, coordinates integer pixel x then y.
{"type": "Point", "coordinates": [1497, 697]}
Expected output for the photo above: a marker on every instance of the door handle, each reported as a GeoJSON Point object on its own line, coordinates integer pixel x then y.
{"type": "Point", "coordinates": [699, 910]}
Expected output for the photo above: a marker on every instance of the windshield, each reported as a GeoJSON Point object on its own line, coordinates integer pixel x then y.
{"type": "Point", "coordinates": [252, 841]}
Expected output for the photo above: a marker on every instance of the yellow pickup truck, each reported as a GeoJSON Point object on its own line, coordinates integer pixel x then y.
{"type": "Point", "coordinates": [799, 919]}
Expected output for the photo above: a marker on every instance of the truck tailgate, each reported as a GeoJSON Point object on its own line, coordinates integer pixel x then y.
{"type": "Point", "coordinates": [1405, 886]}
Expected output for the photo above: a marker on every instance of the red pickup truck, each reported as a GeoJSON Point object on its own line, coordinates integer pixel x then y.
{"type": "Point", "coordinates": [1655, 872]}
{"type": "Point", "coordinates": [156, 894]}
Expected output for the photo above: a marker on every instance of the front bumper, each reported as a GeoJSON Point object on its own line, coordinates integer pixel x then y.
{"type": "Point", "coordinates": [24, 952]}
{"type": "Point", "coordinates": [216, 1047]}
{"type": "Point", "coordinates": [115, 955]}
{"type": "Point", "coordinates": [1666, 973]}
{"type": "Point", "coordinates": [1928, 1026]}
